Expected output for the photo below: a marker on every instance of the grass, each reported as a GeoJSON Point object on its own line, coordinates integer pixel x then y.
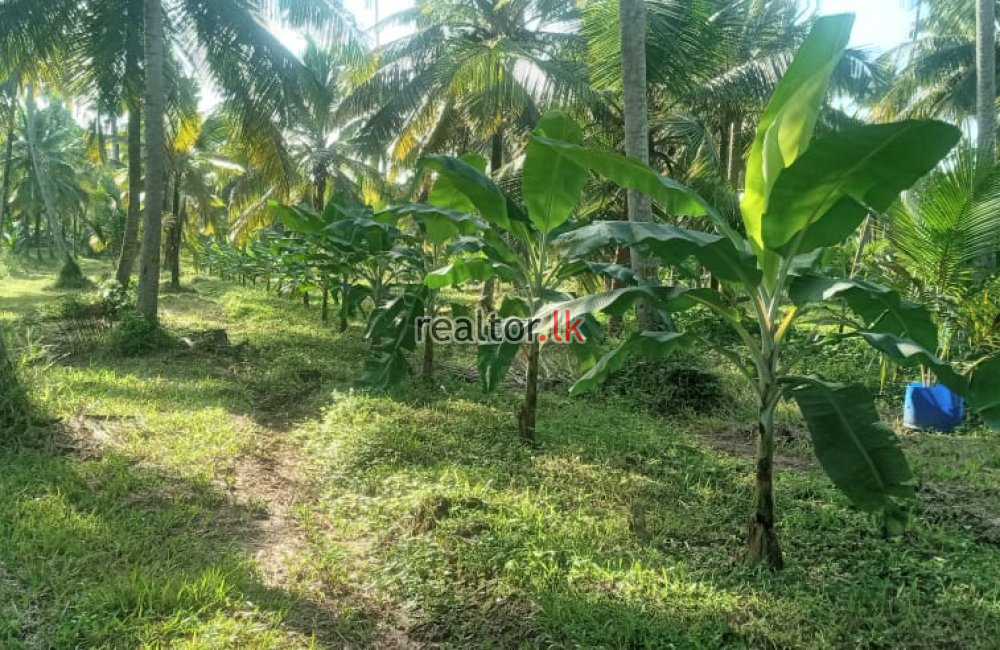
{"type": "Point", "coordinates": [415, 518]}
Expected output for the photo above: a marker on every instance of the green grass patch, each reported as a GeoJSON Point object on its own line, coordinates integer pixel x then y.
{"type": "Point", "coordinates": [426, 522]}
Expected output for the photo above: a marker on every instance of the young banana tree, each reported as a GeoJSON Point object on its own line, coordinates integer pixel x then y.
{"type": "Point", "coordinates": [802, 197]}
{"type": "Point", "coordinates": [437, 231]}
{"type": "Point", "coordinates": [516, 247]}
{"type": "Point", "coordinates": [351, 251]}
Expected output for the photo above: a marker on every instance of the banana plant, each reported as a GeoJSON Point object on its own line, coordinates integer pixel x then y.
{"type": "Point", "coordinates": [515, 245]}
{"type": "Point", "coordinates": [803, 196]}
{"type": "Point", "coordinates": [353, 253]}
{"type": "Point", "coordinates": [392, 328]}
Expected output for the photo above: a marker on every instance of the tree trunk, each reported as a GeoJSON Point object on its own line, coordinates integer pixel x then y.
{"type": "Point", "coordinates": [986, 92]}
{"type": "Point", "coordinates": [615, 322]}
{"type": "Point", "coordinates": [38, 234]}
{"type": "Point", "coordinates": [526, 418]}
{"type": "Point", "coordinates": [178, 241]}
{"type": "Point", "coordinates": [130, 239]}
{"type": "Point", "coordinates": [986, 85]}
{"type": "Point", "coordinates": [319, 200]}
{"type": "Point", "coordinates": [173, 236]}
{"type": "Point", "coordinates": [148, 290]}
{"type": "Point", "coordinates": [733, 153]}
{"type": "Point", "coordinates": [116, 147]}
{"type": "Point", "coordinates": [428, 368]}
{"type": "Point", "coordinates": [102, 153]}
{"type": "Point", "coordinates": [859, 255]}
{"type": "Point", "coordinates": [762, 539]}
{"type": "Point", "coordinates": [487, 297]}
{"type": "Point", "coordinates": [8, 159]}
{"type": "Point", "coordinates": [632, 14]}
{"type": "Point", "coordinates": [325, 308]}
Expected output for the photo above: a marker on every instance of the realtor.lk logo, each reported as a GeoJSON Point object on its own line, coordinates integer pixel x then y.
{"type": "Point", "coordinates": [492, 328]}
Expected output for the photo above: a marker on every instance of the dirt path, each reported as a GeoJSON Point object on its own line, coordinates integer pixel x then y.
{"type": "Point", "coordinates": [273, 479]}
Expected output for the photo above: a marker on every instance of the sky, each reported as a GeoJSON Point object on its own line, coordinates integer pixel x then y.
{"type": "Point", "coordinates": [879, 24]}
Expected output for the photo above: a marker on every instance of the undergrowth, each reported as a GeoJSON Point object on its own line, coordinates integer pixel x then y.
{"type": "Point", "coordinates": [427, 524]}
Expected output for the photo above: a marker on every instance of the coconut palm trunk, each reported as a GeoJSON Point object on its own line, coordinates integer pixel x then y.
{"type": "Point", "coordinates": [115, 144]}
{"type": "Point", "coordinates": [632, 15]}
{"type": "Point", "coordinates": [986, 91]}
{"type": "Point", "coordinates": [986, 85]}
{"type": "Point", "coordinates": [8, 159]}
{"type": "Point", "coordinates": [148, 288]}
{"type": "Point", "coordinates": [174, 234]}
{"type": "Point", "coordinates": [130, 240]}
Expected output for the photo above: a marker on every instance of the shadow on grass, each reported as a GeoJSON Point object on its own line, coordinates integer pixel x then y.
{"type": "Point", "coordinates": [621, 530]}
{"type": "Point", "coordinates": [106, 553]}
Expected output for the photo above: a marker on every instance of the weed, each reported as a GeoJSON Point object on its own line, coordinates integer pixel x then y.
{"type": "Point", "coordinates": [136, 336]}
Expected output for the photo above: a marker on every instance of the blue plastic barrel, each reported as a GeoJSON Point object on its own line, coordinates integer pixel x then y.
{"type": "Point", "coordinates": [932, 407]}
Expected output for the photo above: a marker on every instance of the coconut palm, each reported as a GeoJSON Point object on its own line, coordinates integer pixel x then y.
{"type": "Point", "coordinates": [325, 150]}
{"type": "Point", "coordinates": [633, 57]}
{"type": "Point", "coordinates": [711, 66]}
{"type": "Point", "coordinates": [941, 230]}
{"type": "Point", "coordinates": [472, 75]}
{"type": "Point", "coordinates": [228, 39]}
{"type": "Point", "coordinates": [938, 68]}
{"type": "Point", "coordinates": [197, 167]}
{"type": "Point", "coordinates": [44, 157]}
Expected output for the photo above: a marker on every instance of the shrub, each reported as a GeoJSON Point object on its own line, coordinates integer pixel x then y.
{"type": "Point", "coordinates": [136, 335]}
{"type": "Point", "coordinates": [668, 386]}
{"type": "Point", "coordinates": [108, 303]}
{"type": "Point", "coordinates": [15, 411]}
{"type": "Point", "coordinates": [71, 277]}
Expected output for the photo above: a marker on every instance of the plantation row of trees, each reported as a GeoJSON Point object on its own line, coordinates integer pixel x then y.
{"type": "Point", "coordinates": [377, 178]}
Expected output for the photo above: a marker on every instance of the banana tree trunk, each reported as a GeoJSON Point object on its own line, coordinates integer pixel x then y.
{"type": "Point", "coordinates": [529, 410]}
{"type": "Point", "coordinates": [148, 288]}
{"type": "Point", "coordinates": [632, 14]}
{"type": "Point", "coordinates": [427, 372]}
{"type": "Point", "coordinates": [487, 297]}
{"type": "Point", "coordinates": [762, 538]}
{"type": "Point", "coordinates": [130, 239]}
{"type": "Point", "coordinates": [325, 309]}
